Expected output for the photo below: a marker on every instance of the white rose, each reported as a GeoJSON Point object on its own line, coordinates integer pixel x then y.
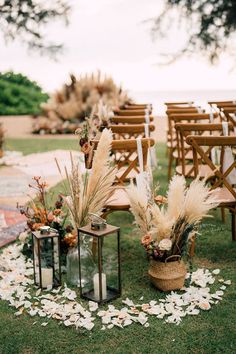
{"type": "Point", "coordinates": [165, 244]}
{"type": "Point", "coordinates": [23, 236]}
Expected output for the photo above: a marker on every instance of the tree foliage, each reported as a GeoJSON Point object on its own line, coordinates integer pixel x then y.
{"type": "Point", "coordinates": [26, 20]}
{"type": "Point", "coordinates": [19, 95]}
{"type": "Point", "coordinates": [210, 24]}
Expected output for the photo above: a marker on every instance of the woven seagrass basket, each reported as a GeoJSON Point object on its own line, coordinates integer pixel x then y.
{"type": "Point", "coordinates": [167, 276]}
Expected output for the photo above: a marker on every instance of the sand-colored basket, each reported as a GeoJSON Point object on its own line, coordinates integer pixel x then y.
{"type": "Point", "coordinates": [167, 276]}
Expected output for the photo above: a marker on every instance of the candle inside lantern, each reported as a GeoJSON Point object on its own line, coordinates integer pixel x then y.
{"type": "Point", "coordinates": [96, 286]}
{"type": "Point", "coordinates": [47, 277]}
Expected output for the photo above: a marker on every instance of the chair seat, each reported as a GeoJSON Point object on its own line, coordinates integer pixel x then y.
{"type": "Point", "coordinates": [118, 200]}
{"type": "Point", "coordinates": [224, 196]}
{"type": "Point", "coordinates": [204, 171]}
{"type": "Point", "coordinates": [188, 156]}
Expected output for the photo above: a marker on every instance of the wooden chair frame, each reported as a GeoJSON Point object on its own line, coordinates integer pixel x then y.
{"type": "Point", "coordinates": [131, 112]}
{"type": "Point", "coordinates": [198, 143]}
{"type": "Point", "coordinates": [130, 120]}
{"type": "Point", "coordinates": [177, 118]}
{"type": "Point", "coordinates": [185, 129]}
{"type": "Point", "coordinates": [127, 149]}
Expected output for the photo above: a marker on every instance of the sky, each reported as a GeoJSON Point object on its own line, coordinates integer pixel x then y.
{"type": "Point", "coordinates": [114, 36]}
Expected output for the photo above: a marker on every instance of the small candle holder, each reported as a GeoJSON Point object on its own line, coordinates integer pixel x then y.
{"type": "Point", "coordinates": [97, 223]}
{"type": "Point", "coordinates": [46, 257]}
{"type": "Point", "coordinates": [103, 282]}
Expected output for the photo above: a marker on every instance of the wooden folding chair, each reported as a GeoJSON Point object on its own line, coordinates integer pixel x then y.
{"type": "Point", "coordinates": [185, 165]}
{"type": "Point", "coordinates": [170, 136]}
{"type": "Point", "coordinates": [178, 118]}
{"type": "Point", "coordinates": [219, 106]}
{"type": "Point", "coordinates": [128, 167]}
{"type": "Point", "coordinates": [224, 191]}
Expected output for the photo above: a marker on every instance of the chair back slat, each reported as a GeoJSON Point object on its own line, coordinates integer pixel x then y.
{"type": "Point", "coordinates": [130, 112]}
{"type": "Point", "coordinates": [199, 145]}
{"type": "Point", "coordinates": [129, 131]}
{"type": "Point", "coordinates": [130, 120]}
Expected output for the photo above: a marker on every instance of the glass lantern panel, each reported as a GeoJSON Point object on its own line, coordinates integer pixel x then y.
{"type": "Point", "coordinates": [88, 264]}
{"type": "Point", "coordinates": [72, 267]}
{"type": "Point", "coordinates": [47, 261]}
{"type": "Point", "coordinates": [110, 264]}
{"type": "Point", "coordinates": [36, 260]}
{"type": "Point", "coordinates": [56, 260]}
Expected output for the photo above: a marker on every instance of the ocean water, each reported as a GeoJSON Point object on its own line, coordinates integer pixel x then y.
{"type": "Point", "coordinates": [200, 97]}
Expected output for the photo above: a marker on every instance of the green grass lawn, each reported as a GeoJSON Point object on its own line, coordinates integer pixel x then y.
{"type": "Point", "coordinates": [209, 332]}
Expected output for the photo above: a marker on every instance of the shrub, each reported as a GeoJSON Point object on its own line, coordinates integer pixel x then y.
{"type": "Point", "coordinates": [19, 95]}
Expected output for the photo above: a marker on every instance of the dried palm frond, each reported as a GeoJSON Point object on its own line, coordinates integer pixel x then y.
{"type": "Point", "coordinates": [161, 222]}
{"type": "Point", "coordinates": [140, 208]}
{"type": "Point", "coordinates": [175, 196]}
{"type": "Point", "coordinates": [198, 202]}
{"type": "Point", "coordinates": [89, 193]}
{"type": "Point", "coordinates": [101, 160]}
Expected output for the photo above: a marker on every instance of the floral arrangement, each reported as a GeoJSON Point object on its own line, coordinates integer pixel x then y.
{"type": "Point", "coordinates": [1, 140]}
{"type": "Point", "coordinates": [168, 228]}
{"type": "Point", "coordinates": [88, 194]}
{"type": "Point", "coordinates": [38, 214]}
{"type": "Point", "coordinates": [68, 107]}
{"type": "Point", "coordinates": [104, 114]}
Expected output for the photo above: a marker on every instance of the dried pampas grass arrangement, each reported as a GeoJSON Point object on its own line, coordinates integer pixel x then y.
{"type": "Point", "coordinates": [89, 193]}
{"type": "Point", "coordinates": [166, 229]}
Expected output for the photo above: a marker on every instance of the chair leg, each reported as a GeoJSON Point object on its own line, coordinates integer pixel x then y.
{"type": "Point", "coordinates": [223, 214]}
{"type": "Point", "coordinates": [170, 163]}
{"type": "Point", "coordinates": [233, 226]}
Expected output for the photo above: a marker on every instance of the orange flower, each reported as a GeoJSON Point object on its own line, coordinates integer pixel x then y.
{"type": "Point", "coordinates": [70, 239]}
{"type": "Point", "coordinates": [159, 199]}
{"type": "Point", "coordinates": [36, 226]}
{"type": "Point", "coordinates": [57, 212]}
{"type": "Point", "coordinates": [146, 240]}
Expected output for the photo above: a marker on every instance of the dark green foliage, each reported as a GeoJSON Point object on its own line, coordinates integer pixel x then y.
{"type": "Point", "coordinates": [19, 95]}
{"type": "Point", "coordinates": [26, 19]}
{"type": "Point", "coordinates": [210, 24]}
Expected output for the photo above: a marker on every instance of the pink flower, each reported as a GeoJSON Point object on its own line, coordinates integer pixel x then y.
{"type": "Point", "coordinates": [146, 240]}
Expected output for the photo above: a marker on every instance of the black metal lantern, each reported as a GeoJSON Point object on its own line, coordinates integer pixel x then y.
{"type": "Point", "coordinates": [46, 257]}
{"type": "Point", "coordinates": [99, 262]}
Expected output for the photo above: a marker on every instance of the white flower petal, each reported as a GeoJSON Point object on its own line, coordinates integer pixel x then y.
{"type": "Point", "coordinates": [216, 271]}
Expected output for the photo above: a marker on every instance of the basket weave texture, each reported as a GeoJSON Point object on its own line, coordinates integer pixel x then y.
{"type": "Point", "coordinates": [167, 276]}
